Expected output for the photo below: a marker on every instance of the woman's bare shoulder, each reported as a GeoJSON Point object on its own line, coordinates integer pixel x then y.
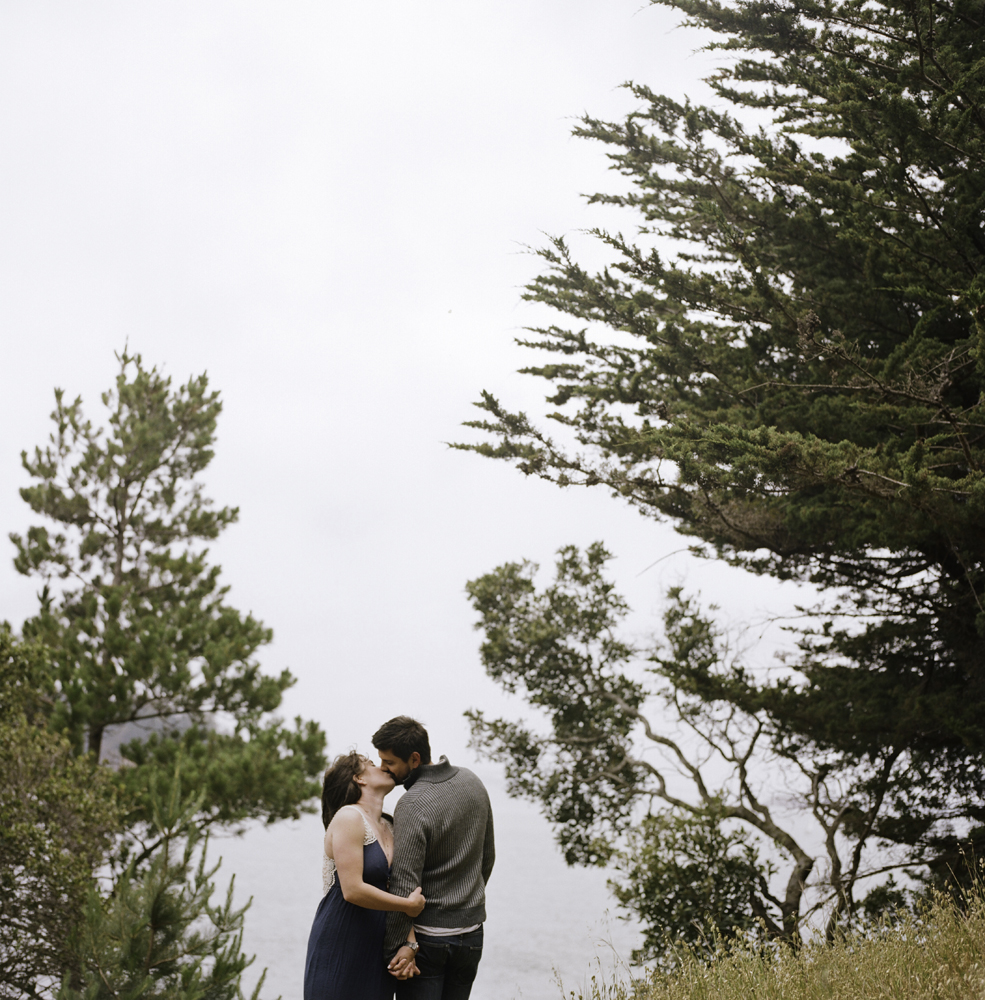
{"type": "Point", "coordinates": [346, 826]}
{"type": "Point", "coordinates": [348, 817]}
{"type": "Point", "coordinates": [350, 822]}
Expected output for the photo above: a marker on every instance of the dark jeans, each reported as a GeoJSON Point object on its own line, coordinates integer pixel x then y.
{"type": "Point", "coordinates": [448, 966]}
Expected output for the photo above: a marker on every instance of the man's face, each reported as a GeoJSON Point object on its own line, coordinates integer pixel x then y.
{"type": "Point", "coordinates": [391, 763]}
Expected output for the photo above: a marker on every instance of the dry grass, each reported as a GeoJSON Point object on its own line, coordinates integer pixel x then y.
{"type": "Point", "coordinates": [939, 957]}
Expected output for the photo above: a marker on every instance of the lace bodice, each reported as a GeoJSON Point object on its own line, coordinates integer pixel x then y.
{"type": "Point", "coordinates": [328, 864]}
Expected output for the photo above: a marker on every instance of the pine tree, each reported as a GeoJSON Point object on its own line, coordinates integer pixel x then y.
{"type": "Point", "coordinates": [158, 934]}
{"type": "Point", "coordinates": [135, 619]}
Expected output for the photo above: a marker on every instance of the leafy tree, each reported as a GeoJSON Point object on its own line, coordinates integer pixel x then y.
{"type": "Point", "coordinates": [604, 755]}
{"type": "Point", "coordinates": [787, 362]}
{"type": "Point", "coordinates": [134, 618]}
{"type": "Point", "coordinates": [57, 815]}
{"type": "Point", "coordinates": [690, 881]}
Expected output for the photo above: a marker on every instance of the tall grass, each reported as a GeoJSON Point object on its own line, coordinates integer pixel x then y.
{"type": "Point", "coordinates": [937, 956]}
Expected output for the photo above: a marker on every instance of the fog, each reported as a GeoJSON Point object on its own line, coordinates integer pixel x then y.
{"type": "Point", "coordinates": [325, 206]}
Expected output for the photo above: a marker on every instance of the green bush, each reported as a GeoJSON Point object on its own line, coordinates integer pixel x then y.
{"type": "Point", "coordinates": [58, 815]}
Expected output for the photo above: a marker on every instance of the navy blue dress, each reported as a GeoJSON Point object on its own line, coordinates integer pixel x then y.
{"type": "Point", "coordinates": [345, 947]}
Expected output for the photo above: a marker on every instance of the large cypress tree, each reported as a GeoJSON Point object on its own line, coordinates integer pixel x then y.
{"type": "Point", "coordinates": [797, 384]}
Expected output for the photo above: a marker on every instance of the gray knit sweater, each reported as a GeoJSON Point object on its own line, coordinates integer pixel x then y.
{"type": "Point", "coordinates": [443, 842]}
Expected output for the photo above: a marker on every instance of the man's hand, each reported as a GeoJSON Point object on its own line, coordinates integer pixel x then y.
{"type": "Point", "coordinates": [402, 965]}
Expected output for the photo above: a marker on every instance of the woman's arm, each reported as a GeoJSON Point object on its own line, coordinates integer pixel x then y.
{"type": "Point", "coordinates": [344, 838]}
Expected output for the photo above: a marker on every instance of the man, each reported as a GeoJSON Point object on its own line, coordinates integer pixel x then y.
{"type": "Point", "coordinates": [443, 842]}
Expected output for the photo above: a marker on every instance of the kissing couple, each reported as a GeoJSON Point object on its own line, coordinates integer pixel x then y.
{"type": "Point", "coordinates": [404, 896]}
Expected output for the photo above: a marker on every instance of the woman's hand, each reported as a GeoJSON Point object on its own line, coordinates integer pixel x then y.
{"type": "Point", "coordinates": [403, 965]}
{"type": "Point", "coordinates": [415, 902]}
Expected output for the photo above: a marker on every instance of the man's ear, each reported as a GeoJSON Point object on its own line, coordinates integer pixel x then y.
{"type": "Point", "coordinates": [414, 760]}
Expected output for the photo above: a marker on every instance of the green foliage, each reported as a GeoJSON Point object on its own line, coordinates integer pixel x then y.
{"type": "Point", "coordinates": [884, 902]}
{"type": "Point", "coordinates": [558, 647]}
{"type": "Point", "coordinates": [787, 362]}
{"type": "Point", "coordinates": [25, 682]}
{"type": "Point", "coordinates": [689, 882]}
{"type": "Point", "coordinates": [159, 934]}
{"type": "Point", "coordinates": [268, 774]}
{"type": "Point", "coordinates": [135, 619]}
{"type": "Point", "coordinates": [57, 816]}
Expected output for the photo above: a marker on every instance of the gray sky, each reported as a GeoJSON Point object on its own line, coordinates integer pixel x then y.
{"type": "Point", "coordinates": [323, 205]}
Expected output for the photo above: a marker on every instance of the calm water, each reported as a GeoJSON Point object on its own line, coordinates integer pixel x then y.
{"type": "Point", "coordinates": [544, 919]}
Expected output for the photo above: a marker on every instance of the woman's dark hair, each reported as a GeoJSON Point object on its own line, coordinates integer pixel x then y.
{"type": "Point", "coordinates": [339, 786]}
{"type": "Point", "coordinates": [403, 736]}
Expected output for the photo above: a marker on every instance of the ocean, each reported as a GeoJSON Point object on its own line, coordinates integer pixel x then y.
{"type": "Point", "coordinates": [549, 927]}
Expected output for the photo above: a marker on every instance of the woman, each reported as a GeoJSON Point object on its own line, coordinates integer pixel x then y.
{"type": "Point", "coordinates": [345, 948]}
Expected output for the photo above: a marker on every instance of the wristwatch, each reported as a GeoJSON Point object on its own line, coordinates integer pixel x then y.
{"type": "Point", "coordinates": [413, 945]}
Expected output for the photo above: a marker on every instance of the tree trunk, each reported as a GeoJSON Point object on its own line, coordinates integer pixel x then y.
{"type": "Point", "coordinates": [791, 900]}
{"type": "Point", "coordinates": [96, 741]}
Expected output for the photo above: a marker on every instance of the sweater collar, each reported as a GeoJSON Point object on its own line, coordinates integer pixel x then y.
{"type": "Point", "coordinates": [433, 774]}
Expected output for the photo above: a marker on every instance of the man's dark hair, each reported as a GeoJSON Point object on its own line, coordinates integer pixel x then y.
{"type": "Point", "coordinates": [339, 786]}
{"type": "Point", "coordinates": [404, 736]}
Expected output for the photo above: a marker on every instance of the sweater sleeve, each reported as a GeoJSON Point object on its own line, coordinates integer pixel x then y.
{"type": "Point", "coordinates": [409, 850]}
{"type": "Point", "coordinates": [488, 849]}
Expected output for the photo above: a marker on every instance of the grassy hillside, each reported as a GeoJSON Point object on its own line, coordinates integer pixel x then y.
{"type": "Point", "coordinates": [940, 956]}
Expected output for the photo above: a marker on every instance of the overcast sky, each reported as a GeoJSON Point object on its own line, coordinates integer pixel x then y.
{"type": "Point", "coordinates": [324, 205]}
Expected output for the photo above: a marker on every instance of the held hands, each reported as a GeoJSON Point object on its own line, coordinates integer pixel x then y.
{"type": "Point", "coordinates": [402, 965]}
{"type": "Point", "coordinates": [415, 902]}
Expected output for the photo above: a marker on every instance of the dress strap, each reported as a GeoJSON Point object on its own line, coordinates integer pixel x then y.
{"type": "Point", "coordinates": [369, 836]}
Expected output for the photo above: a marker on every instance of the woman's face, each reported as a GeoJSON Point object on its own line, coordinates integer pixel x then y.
{"type": "Point", "coordinates": [373, 776]}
